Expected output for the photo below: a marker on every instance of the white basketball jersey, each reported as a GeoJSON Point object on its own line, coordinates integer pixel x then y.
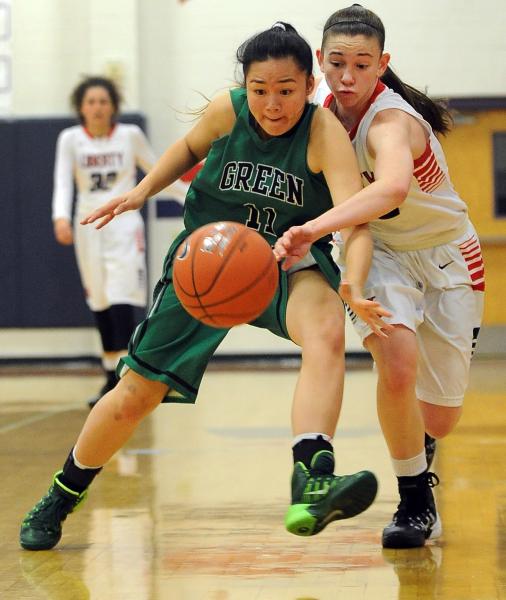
{"type": "Point", "coordinates": [102, 167]}
{"type": "Point", "coordinates": [432, 213]}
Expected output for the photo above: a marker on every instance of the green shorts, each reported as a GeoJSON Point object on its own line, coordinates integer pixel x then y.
{"type": "Point", "coordinates": [172, 347]}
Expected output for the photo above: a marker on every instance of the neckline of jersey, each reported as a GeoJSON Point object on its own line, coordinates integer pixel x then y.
{"type": "Point", "coordinates": [380, 86]}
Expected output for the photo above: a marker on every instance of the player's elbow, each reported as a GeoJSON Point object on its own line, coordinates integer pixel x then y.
{"type": "Point", "coordinates": [397, 192]}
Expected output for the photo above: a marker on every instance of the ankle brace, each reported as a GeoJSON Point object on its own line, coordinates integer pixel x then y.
{"type": "Point", "coordinates": [77, 477]}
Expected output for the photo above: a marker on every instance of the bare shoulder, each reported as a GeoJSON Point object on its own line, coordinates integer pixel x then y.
{"type": "Point", "coordinates": [326, 125]}
{"type": "Point", "coordinates": [398, 126]}
{"type": "Point", "coordinates": [328, 140]}
{"type": "Point", "coordinates": [220, 113]}
{"type": "Point", "coordinates": [395, 117]}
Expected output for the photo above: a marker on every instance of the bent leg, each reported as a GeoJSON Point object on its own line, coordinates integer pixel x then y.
{"type": "Point", "coordinates": [113, 420]}
{"type": "Point", "coordinates": [315, 321]}
{"type": "Point", "coordinates": [398, 410]}
{"type": "Point", "coordinates": [440, 420]}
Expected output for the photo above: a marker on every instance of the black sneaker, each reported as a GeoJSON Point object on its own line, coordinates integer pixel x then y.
{"type": "Point", "coordinates": [416, 518]}
{"type": "Point", "coordinates": [320, 497]}
{"type": "Point", "coordinates": [430, 449]}
{"type": "Point", "coordinates": [109, 385]}
{"type": "Point", "coordinates": [41, 528]}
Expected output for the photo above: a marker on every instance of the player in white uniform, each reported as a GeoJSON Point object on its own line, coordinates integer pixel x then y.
{"type": "Point", "coordinates": [101, 157]}
{"type": "Point", "coordinates": [427, 268]}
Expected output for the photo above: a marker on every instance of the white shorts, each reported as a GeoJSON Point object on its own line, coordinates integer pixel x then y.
{"type": "Point", "coordinates": [437, 293]}
{"type": "Point", "coordinates": [112, 262]}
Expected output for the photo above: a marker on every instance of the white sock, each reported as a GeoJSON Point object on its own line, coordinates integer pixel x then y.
{"type": "Point", "coordinates": [79, 465]}
{"type": "Point", "coordinates": [310, 436]}
{"type": "Point", "coordinates": [410, 467]}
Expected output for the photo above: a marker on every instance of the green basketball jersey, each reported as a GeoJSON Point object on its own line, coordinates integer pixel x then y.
{"type": "Point", "coordinates": [265, 184]}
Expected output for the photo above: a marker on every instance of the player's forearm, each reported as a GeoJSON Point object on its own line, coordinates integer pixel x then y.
{"type": "Point", "coordinates": [370, 203]}
{"type": "Point", "coordinates": [173, 163]}
{"type": "Point", "coordinates": [358, 253]}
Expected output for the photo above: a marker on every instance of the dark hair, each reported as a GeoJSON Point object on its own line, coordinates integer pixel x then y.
{"type": "Point", "coordinates": [357, 20]}
{"type": "Point", "coordinates": [77, 96]}
{"type": "Point", "coordinates": [280, 41]}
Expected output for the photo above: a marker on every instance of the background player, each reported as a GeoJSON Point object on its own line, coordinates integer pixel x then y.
{"type": "Point", "coordinates": [101, 157]}
{"type": "Point", "coordinates": [267, 130]}
{"type": "Point", "coordinates": [427, 268]}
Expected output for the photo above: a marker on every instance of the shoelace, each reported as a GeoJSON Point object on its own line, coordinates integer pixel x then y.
{"type": "Point", "coordinates": [317, 485]}
{"type": "Point", "coordinates": [405, 512]}
{"type": "Point", "coordinates": [48, 512]}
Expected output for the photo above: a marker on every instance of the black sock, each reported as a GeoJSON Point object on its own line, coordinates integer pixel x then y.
{"type": "Point", "coordinates": [74, 477]}
{"type": "Point", "coordinates": [304, 450]}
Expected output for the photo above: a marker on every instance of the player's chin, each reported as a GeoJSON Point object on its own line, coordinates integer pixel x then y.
{"type": "Point", "coordinates": [276, 127]}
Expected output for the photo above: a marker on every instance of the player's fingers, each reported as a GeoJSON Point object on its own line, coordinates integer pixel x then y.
{"type": "Point", "coordinates": [94, 216]}
{"type": "Point", "coordinates": [379, 332]}
{"type": "Point", "coordinates": [279, 250]}
{"type": "Point", "coordinates": [288, 262]}
{"type": "Point", "coordinates": [277, 254]}
{"type": "Point", "coordinates": [383, 311]}
{"type": "Point", "coordinates": [121, 208]}
{"type": "Point", "coordinates": [107, 219]}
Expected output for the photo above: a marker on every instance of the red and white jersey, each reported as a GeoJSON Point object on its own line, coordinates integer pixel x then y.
{"type": "Point", "coordinates": [102, 167]}
{"type": "Point", "coordinates": [432, 213]}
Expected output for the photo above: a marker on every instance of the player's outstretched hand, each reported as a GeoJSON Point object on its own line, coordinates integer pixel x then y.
{"type": "Point", "coordinates": [132, 200]}
{"type": "Point", "coordinates": [370, 311]}
{"type": "Point", "coordinates": [293, 245]}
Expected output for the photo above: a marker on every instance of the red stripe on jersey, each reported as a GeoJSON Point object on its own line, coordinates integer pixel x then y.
{"type": "Point", "coordinates": [471, 240]}
{"type": "Point", "coordinates": [420, 161]}
{"type": "Point", "coordinates": [328, 100]}
{"type": "Point", "coordinates": [191, 173]}
{"type": "Point", "coordinates": [427, 171]}
{"type": "Point", "coordinates": [471, 251]}
{"type": "Point", "coordinates": [437, 183]}
{"type": "Point", "coordinates": [380, 86]}
{"type": "Point", "coordinates": [431, 176]}
{"type": "Point", "coordinates": [475, 263]}
{"type": "Point", "coordinates": [473, 254]}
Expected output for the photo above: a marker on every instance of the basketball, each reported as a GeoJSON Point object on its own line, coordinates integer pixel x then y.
{"type": "Point", "coordinates": [225, 274]}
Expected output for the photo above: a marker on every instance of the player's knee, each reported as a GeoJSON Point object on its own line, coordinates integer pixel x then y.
{"type": "Point", "coordinates": [399, 380]}
{"type": "Point", "coordinates": [136, 401]}
{"type": "Point", "coordinates": [439, 430]}
{"type": "Point", "coordinates": [440, 420]}
{"type": "Point", "coordinates": [324, 339]}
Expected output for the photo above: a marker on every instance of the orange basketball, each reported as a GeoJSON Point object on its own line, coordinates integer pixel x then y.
{"type": "Point", "coordinates": [225, 274]}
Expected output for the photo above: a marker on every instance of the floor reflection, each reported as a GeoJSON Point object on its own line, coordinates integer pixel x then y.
{"type": "Point", "coordinates": [192, 508]}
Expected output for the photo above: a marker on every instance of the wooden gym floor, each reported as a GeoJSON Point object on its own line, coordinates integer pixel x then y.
{"type": "Point", "coordinates": [192, 508]}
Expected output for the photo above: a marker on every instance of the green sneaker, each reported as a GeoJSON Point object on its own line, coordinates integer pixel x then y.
{"type": "Point", "coordinates": [320, 497]}
{"type": "Point", "coordinates": [41, 528]}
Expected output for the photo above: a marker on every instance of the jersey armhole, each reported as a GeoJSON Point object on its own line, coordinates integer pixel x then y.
{"type": "Point", "coordinates": [238, 98]}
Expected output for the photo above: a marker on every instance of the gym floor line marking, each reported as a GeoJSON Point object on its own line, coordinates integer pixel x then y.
{"type": "Point", "coordinates": [29, 420]}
